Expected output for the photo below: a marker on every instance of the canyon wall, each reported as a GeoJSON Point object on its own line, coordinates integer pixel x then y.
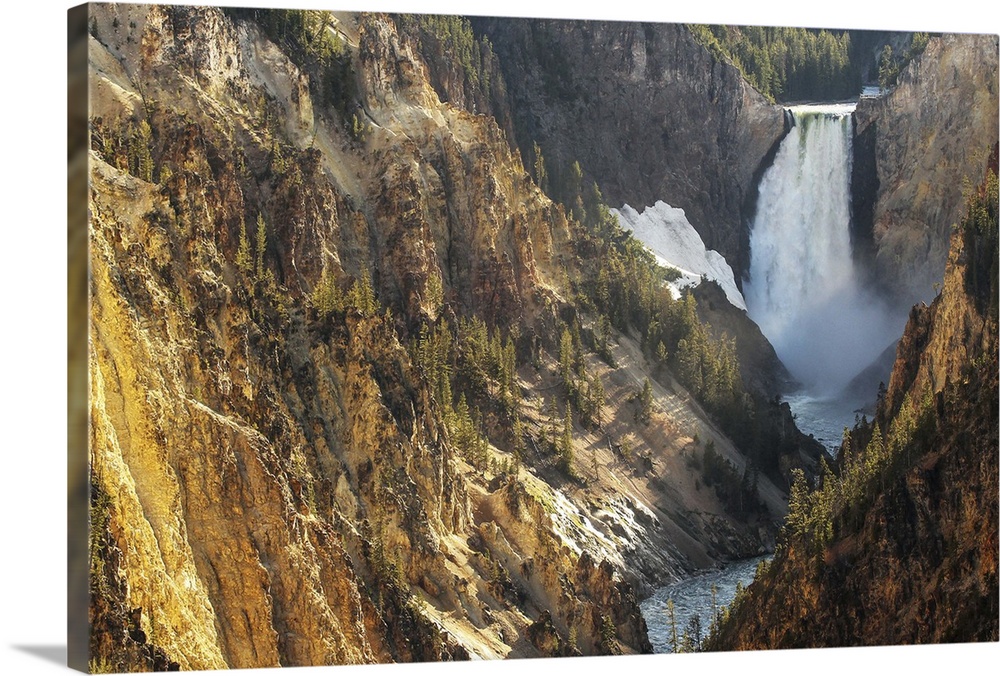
{"type": "Point", "coordinates": [271, 487]}
{"type": "Point", "coordinates": [648, 112]}
{"type": "Point", "coordinates": [918, 149]}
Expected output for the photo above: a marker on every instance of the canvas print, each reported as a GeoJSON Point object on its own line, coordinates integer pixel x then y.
{"type": "Point", "coordinates": [416, 338]}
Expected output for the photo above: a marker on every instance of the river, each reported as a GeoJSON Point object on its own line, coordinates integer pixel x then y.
{"type": "Point", "coordinates": [824, 417]}
{"type": "Point", "coordinates": [693, 596]}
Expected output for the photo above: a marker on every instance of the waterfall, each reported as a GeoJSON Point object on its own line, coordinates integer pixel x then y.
{"type": "Point", "coordinates": [802, 289]}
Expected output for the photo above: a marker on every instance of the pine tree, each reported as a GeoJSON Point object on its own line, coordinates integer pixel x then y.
{"type": "Point", "coordinates": [888, 69]}
{"type": "Point", "coordinates": [609, 643]}
{"type": "Point", "coordinates": [694, 630]}
{"type": "Point", "coordinates": [358, 128]}
{"type": "Point", "coordinates": [566, 360]}
{"type": "Point", "coordinates": [798, 504]}
{"type": "Point", "coordinates": [144, 157]}
{"type": "Point", "coordinates": [435, 293]}
{"type": "Point", "coordinates": [432, 353]}
{"type": "Point", "coordinates": [465, 435]}
{"type": "Point", "coordinates": [326, 298]}
{"type": "Point", "coordinates": [592, 203]}
{"type": "Point", "coordinates": [244, 259]}
{"type": "Point", "coordinates": [541, 176]}
{"type": "Point", "coordinates": [362, 296]}
{"type": "Point", "coordinates": [261, 245]}
{"type": "Point", "coordinates": [597, 397]}
{"type": "Point", "coordinates": [645, 411]}
{"type": "Point", "coordinates": [508, 372]}
{"type": "Point", "coordinates": [566, 441]}
{"type": "Point", "coordinates": [672, 623]}
{"type": "Point", "coordinates": [690, 370]}
{"type": "Point", "coordinates": [875, 454]}
{"type": "Point", "coordinates": [661, 353]}
{"type": "Point", "coordinates": [278, 163]}
{"type": "Point", "coordinates": [575, 193]}
{"type": "Point", "coordinates": [603, 294]}
{"type": "Point", "coordinates": [603, 333]}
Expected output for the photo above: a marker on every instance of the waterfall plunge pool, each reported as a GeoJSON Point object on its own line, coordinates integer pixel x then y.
{"type": "Point", "coordinates": [824, 418]}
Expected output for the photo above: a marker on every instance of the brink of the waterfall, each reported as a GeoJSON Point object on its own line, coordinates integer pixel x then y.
{"type": "Point", "coordinates": [803, 289]}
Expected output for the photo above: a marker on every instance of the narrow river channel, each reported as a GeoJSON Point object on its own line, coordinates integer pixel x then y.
{"type": "Point", "coordinates": [693, 596]}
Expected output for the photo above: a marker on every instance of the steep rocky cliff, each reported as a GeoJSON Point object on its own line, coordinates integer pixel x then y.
{"type": "Point", "coordinates": [278, 482]}
{"type": "Point", "coordinates": [648, 112]}
{"type": "Point", "coordinates": [910, 167]}
{"type": "Point", "coordinates": [278, 233]}
{"type": "Point", "coordinates": [900, 546]}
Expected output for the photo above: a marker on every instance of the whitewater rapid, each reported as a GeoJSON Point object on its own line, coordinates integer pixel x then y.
{"type": "Point", "coordinates": [692, 597]}
{"type": "Point", "coordinates": [803, 289]}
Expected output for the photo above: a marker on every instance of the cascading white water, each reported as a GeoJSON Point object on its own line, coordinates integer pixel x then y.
{"type": "Point", "coordinates": [803, 290]}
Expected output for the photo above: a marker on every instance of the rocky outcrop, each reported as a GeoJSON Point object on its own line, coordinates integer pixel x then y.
{"type": "Point", "coordinates": [461, 67]}
{"type": "Point", "coordinates": [916, 151]}
{"type": "Point", "coordinates": [922, 566]}
{"type": "Point", "coordinates": [451, 200]}
{"type": "Point", "coordinates": [957, 331]}
{"type": "Point", "coordinates": [761, 370]}
{"type": "Point", "coordinates": [551, 576]}
{"type": "Point", "coordinates": [647, 111]}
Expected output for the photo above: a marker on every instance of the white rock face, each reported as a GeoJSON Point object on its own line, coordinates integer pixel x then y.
{"type": "Point", "coordinates": [676, 244]}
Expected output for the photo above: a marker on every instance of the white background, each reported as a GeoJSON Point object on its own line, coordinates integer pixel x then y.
{"type": "Point", "coordinates": [33, 328]}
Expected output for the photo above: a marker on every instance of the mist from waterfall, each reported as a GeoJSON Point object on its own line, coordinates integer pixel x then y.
{"type": "Point", "coordinates": [803, 290]}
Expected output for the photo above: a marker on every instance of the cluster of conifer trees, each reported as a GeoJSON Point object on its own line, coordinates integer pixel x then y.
{"type": "Point", "coordinates": [622, 288]}
{"type": "Point", "coordinates": [799, 64]}
{"type": "Point", "coordinates": [787, 64]}
{"type": "Point", "coordinates": [890, 65]}
{"type": "Point", "coordinates": [470, 363]}
{"type": "Point", "coordinates": [869, 459]}
{"type": "Point", "coordinates": [311, 40]}
{"type": "Point", "coordinates": [328, 297]}
{"type": "Point", "coordinates": [628, 293]}
{"type": "Point", "coordinates": [452, 37]}
{"type": "Point", "coordinates": [127, 148]}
